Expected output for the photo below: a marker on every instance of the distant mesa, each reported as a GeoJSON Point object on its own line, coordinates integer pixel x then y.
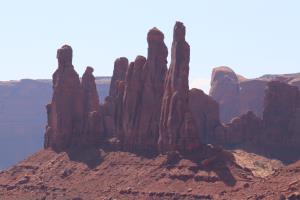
{"type": "Point", "coordinates": [237, 95]}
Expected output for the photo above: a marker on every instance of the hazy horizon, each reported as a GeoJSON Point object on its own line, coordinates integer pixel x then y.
{"type": "Point", "coordinates": [253, 38]}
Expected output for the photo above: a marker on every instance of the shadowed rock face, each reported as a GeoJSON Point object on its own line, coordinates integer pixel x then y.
{"type": "Point", "coordinates": [242, 131]}
{"type": "Point", "coordinates": [132, 101]}
{"type": "Point", "coordinates": [112, 108]}
{"type": "Point", "coordinates": [65, 113]}
{"type": "Point", "coordinates": [91, 98]}
{"type": "Point", "coordinates": [120, 68]}
{"type": "Point", "coordinates": [281, 120]}
{"type": "Point", "coordinates": [92, 119]}
{"type": "Point", "coordinates": [177, 126]}
{"type": "Point", "coordinates": [205, 112]}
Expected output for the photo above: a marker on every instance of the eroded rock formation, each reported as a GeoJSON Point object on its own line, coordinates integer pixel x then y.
{"type": "Point", "coordinates": [119, 73]}
{"type": "Point", "coordinates": [73, 113]}
{"type": "Point", "coordinates": [91, 98]}
{"type": "Point", "coordinates": [281, 120]}
{"type": "Point", "coordinates": [225, 90]}
{"type": "Point", "coordinates": [112, 108]}
{"type": "Point", "coordinates": [178, 129]}
{"type": "Point", "coordinates": [92, 119]}
{"type": "Point", "coordinates": [150, 109]}
{"type": "Point", "coordinates": [277, 134]}
{"type": "Point", "coordinates": [143, 94]}
{"type": "Point", "coordinates": [242, 131]}
{"type": "Point", "coordinates": [65, 113]}
{"type": "Point", "coordinates": [131, 102]}
{"type": "Point", "coordinates": [205, 112]}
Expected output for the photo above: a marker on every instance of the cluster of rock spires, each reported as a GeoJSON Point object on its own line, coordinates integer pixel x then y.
{"type": "Point", "coordinates": [150, 108]}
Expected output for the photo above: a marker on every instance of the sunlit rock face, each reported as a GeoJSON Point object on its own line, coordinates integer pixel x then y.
{"type": "Point", "coordinates": [177, 127]}
{"type": "Point", "coordinates": [144, 87]}
{"type": "Point", "coordinates": [281, 120]}
{"type": "Point", "coordinates": [65, 112]}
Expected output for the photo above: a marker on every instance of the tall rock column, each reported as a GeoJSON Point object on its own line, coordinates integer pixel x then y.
{"type": "Point", "coordinates": [177, 127]}
{"type": "Point", "coordinates": [131, 102]}
{"type": "Point", "coordinates": [141, 134]}
{"type": "Point", "coordinates": [65, 112]}
{"type": "Point", "coordinates": [91, 98]}
{"type": "Point", "coordinates": [154, 73]}
{"type": "Point", "coordinates": [92, 122]}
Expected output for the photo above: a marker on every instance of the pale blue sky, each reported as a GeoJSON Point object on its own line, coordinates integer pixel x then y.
{"type": "Point", "coordinates": [252, 37]}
